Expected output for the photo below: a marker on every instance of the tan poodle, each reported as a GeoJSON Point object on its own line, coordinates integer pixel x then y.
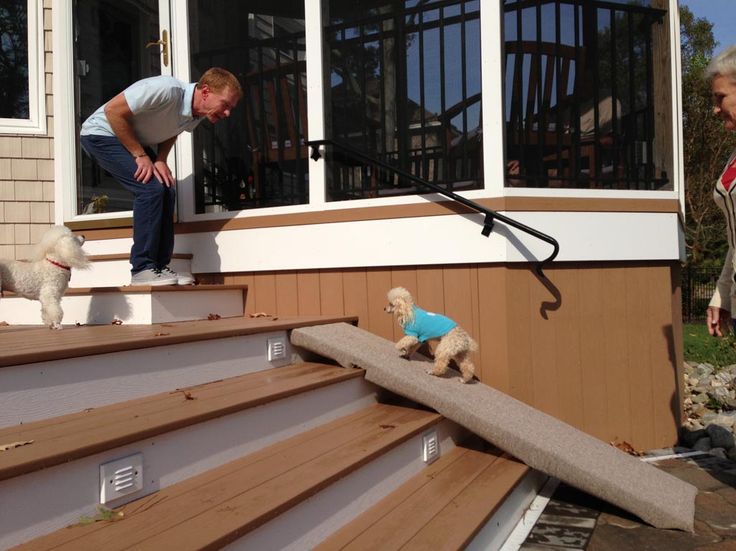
{"type": "Point", "coordinates": [46, 276]}
{"type": "Point", "coordinates": [420, 326]}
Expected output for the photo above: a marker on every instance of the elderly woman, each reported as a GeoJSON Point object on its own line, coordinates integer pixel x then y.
{"type": "Point", "coordinates": [722, 72]}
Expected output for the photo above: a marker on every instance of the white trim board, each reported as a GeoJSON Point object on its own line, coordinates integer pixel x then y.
{"type": "Point", "coordinates": [454, 239]}
{"type": "Point", "coordinates": [582, 236]}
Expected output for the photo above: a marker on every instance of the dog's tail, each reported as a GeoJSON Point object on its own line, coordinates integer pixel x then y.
{"type": "Point", "coordinates": [473, 346]}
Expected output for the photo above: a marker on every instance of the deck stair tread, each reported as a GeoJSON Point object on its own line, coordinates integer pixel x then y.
{"type": "Point", "coordinates": [41, 344]}
{"type": "Point", "coordinates": [72, 436]}
{"type": "Point", "coordinates": [443, 507]}
{"type": "Point", "coordinates": [114, 269]}
{"type": "Point", "coordinates": [74, 291]}
{"type": "Point", "coordinates": [213, 509]}
{"type": "Point", "coordinates": [99, 300]}
{"type": "Point", "coordinates": [126, 256]}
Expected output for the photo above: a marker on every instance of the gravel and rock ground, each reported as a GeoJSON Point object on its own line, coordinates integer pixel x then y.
{"type": "Point", "coordinates": [707, 459]}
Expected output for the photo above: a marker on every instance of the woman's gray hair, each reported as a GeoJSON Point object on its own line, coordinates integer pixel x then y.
{"type": "Point", "coordinates": [723, 64]}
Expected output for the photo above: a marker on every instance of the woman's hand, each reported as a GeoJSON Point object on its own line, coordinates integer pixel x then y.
{"type": "Point", "coordinates": [718, 321]}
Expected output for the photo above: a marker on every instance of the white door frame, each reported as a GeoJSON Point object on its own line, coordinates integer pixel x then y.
{"type": "Point", "coordinates": [64, 124]}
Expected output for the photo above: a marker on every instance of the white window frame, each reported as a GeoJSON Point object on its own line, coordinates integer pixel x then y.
{"type": "Point", "coordinates": [36, 121]}
{"type": "Point", "coordinates": [493, 117]}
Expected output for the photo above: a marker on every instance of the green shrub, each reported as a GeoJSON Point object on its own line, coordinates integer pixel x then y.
{"type": "Point", "coordinates": [702, 348]}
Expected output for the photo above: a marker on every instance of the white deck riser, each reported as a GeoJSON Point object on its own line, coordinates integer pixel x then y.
{"type": "Point", "coordinates": [49, 499]}
{"type": "Point", "coordinates": [47, 389]}
{"type": "Point", "coordinates": [116, 273]}
{"type": "Point", "coordinates": [130, 308]}
{"type": "Point", "coordinates": [315, 519]}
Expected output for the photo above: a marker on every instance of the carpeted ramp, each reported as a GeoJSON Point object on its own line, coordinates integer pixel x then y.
{"type": "Point", "coordinates": [539, 440]}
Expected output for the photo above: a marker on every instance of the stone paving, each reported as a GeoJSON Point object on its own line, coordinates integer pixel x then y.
{"type": "Point", "coordinates": [573, 520]}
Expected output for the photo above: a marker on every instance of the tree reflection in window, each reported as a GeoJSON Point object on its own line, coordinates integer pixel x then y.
{"type": "Point", "coordinates": [14, 59]}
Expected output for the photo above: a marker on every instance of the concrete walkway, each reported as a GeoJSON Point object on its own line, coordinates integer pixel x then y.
{"type": "Point", "coordinates": [574, 520]}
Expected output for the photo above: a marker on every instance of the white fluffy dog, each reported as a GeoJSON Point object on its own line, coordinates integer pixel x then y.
{"type": "Point", "coordinates": [46, 276]}
{"type": "Point", "coordinates": [420, 326]}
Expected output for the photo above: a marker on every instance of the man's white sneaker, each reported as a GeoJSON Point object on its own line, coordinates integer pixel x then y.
{"type": "Point", "coordinates": [182, 278]}
{"type": "Point", "coordinates": [152, 277]}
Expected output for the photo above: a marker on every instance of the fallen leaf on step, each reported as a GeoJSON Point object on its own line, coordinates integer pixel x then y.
{"type": "Point", "coordinates": [12, 445]}
{"type": "Point", "coordinates": [116, 321]}
{"type": "Point", "coordinates": [4, 324]}
{"type": "Point", "coordinates": [213, 316]}
{"type": "Point", "coordinates": [103, 514]}
{"type": "Point", "coordinates": [387, 426]}
{"type": "Point", "coordinates": [258, 315]}
{"type": "Point", "coordinates": [626, 447]}
{"type": "Point", "coordinates": [161, 334]}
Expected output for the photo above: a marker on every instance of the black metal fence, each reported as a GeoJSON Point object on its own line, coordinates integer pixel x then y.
{"type": "Point", "coordinates": [698, 285]}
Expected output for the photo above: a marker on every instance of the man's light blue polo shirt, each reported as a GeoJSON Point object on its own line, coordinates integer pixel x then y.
{"type": "Point", "coordinates": [428, 325]}
{"type": "Point", "coordinates": [161, 106]}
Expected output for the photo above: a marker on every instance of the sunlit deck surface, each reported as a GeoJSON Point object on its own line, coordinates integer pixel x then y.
{"type": "Point", "coordinates": [28, 344]}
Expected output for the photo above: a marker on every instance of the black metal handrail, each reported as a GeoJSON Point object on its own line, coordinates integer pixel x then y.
{"type": "Point", "coordinates": [490, 215]}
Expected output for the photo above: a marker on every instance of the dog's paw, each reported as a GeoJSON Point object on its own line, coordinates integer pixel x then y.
{"type": "Point", "coordinates": [403, 352]}
{"type": "Point", "coordinates": [56, 326]}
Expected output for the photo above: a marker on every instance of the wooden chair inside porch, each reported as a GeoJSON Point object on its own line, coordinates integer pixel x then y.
{"type": "Point", "coordinates": [276, 115]}
{"type": "Point", "coordinates": [546, 111]}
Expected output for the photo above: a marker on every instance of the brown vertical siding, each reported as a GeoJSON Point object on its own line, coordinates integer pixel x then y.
{"type": "Point", "coordinates": [308, 293]}
{"type": "Point", "coordinates": [287, 293]}
{"type": "Point", "coordinates": [331, 292]}
{"type": "Point", "coordinates": [493, 356]}
{"type": "Point", "coordinates": [592, 346]}
{"type": "Point", "coordinates": [600, 350]}
{"type": "Point", "coordinates": [676, 352]}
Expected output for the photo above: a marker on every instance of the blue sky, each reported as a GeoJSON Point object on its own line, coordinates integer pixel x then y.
{"type": "Point", "coordinates": [722, 13]}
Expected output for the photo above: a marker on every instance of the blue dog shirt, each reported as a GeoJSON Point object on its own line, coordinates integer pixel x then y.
{"type": "Point", "coordinates": [428, 325]}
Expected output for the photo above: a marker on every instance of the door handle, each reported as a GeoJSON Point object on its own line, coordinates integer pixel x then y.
{"type": "Point", "coordinates": [164, 43]}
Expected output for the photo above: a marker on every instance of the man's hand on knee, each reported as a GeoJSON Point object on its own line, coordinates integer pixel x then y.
{"type": "Point", "coordinates": [145, 169]}
{"type": "Point", "coordinates": [163, 173]}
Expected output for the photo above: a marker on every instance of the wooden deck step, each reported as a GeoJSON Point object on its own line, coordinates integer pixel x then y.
{"type": "Point", "coordinates": [69, 437]}
{"type": "Point", "coordinates": [45, 373]}
{"type": "Point", "coordinates": [213, 509]}
{"type": "Point", "coordinates": [126, 257]}
{"type": "Point", "coordinates": [41, 344]}
{"type": "Point", "coordinates": [114, 269]}
{"type": "Point", "coordinates": [133, 304]}
{"type": "Point", "coordinates": [441, 508]}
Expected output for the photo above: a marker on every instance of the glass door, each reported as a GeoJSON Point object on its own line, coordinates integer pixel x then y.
{"type": "Point", "coordinates": [116, 42]}
{"type": "Point", "coordinates": [258, 157]}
